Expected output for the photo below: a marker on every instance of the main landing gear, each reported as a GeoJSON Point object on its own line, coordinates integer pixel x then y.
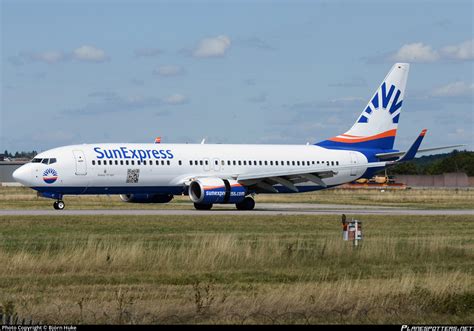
{"type": "Point", "coordinates": [59, 205]}
{"type": "Point", "coordinates": [203, 206]}
{"type": "Point", "coordinates": [247, 204]}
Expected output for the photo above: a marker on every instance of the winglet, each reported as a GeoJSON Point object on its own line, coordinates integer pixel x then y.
{"type": "Point", "coordinates": [410, 154]}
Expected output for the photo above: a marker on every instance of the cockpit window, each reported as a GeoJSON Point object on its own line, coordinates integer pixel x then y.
{"type": "Point", "coordinates": [44, 161]}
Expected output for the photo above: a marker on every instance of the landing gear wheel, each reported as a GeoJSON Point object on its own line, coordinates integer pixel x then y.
{"type": "Point", "coordinates": [247, 204]}
{"type": "Point", "coordinates": [59, 205]}
{"type": "Point", "coordinates": [203, 206]}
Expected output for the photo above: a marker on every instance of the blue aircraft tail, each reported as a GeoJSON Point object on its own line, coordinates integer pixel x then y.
{"type": "Point", "coordinates": [376, 127]}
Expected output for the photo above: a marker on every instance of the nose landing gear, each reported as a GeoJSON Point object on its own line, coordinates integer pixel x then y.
{"type": "Point", "coordinates": [59, 205]}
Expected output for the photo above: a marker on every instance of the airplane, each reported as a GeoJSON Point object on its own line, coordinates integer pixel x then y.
{"type": "Point", "coordinates": [224, 173]}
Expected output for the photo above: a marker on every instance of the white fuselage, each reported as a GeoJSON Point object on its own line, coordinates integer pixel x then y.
{"type": "Point", "coordinates": [164, 168]}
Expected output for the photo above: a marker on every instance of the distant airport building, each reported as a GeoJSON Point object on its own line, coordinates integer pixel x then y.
{"type": "Point", "coordinates": [7, 167]}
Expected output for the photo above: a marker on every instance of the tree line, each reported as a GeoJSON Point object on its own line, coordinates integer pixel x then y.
{"type": "Point", "coordinates": [456, 161]}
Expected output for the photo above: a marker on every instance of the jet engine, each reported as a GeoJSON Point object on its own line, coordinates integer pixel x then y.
{"type": "Point", "coordinates": [216, 190]}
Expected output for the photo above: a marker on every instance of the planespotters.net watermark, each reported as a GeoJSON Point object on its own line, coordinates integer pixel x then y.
{"type": "Point", "coordinates": [437, 328]}
{"type": "Point", "coordinates": [39, 328]}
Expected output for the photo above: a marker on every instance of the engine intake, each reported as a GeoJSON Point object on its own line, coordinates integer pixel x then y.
{"type": "Point", "coordinates": [216, 190]}
{"type": "Point", "coordinates": [146, 198]}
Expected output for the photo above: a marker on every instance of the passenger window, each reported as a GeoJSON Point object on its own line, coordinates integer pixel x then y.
{"type": "Point", "coordinates": [317, 162]}
{"type": "Point", "coordinates": [116, 162]}
{"type": "Point", "coordinates": [260, 162]}
{"type": "Point", "coordinates": [266, 162]}
{"type": "Point", "coordinates": [126, 162]}
{"type": "Point", "coordinates": [276, 162]}
{"type": "Point", "coordinates": [240, 163]}
{"type": "Point", "coordinates": [158, 162]}
{"type": "Point", "coordinates": [223, 162]}
{"type": "Point", "coordinates": [121, 162]}
{"type": "Point", "coordinates": [332, 162]}
{"type": "Point", "coordinates": [216, 162]}
{"type": "Point", "coordinates": [293, 163]}
{"type": "Point", "coordinates": [313, 162]}
{"type": "Point", "coordinates": [179, 162]}
{"type": "Point", "coordinates": [138, 163]}
{"type": "Point", "coordinates": [207, 162]}
{"type": "Point", "coordinates": [245, 162]}
{"type": "Point", "coordinates": [144, 162]}
{"type": "Point", "coordinates": [168, 162]}
{"type": "Point", "coordinates": [287, 162]}
{"type": "Point", "coordinates": [228, 162]}
{"type": "Point", "coordinates": [133, 162]}
{"type": "Point", "coordinates": [327, 162]}
{"type": "Point", "coordinates": [163, 162]}
{"type": "Point", "coordinates": [234, 162]}
{"type": "Point", "coordinates": [271, 163]}
{"type": "Point", "coordinates": [93, 162]}
{"type": "Point", "coordinates": [254, 163]}
{"type": "Point", "coordinates": [297, 162]}
{"type": "Point", "coordinates": [190, 162]}
{"type": "Point", "coordinates": [337, 162]}
{"type": "Point", "coordinates": [98, 162]}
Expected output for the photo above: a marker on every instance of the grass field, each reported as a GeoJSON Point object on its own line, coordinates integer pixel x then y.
{"type": "Point", "coordinates": [25, 198]}
{"type": "Point", "coordinates": [237, 269]}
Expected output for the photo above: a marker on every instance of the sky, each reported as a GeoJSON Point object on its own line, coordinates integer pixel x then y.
{"type": "Point", "coordinates": [266, 72]}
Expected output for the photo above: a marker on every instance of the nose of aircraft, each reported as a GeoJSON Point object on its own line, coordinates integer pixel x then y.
{"type": "Point", "coordinates": [22, 174]}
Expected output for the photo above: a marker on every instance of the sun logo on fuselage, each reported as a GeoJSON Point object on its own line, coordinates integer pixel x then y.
{"type": "Point", "coordinates": [382, 100]}
{"type": "Point", "coordinates": [50, 176]}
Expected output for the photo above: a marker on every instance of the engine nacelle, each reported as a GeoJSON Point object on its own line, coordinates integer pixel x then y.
{"type": "Point", "coordinates": [216, 190]}
{"type": "Point", "coordinates": [146, 198]}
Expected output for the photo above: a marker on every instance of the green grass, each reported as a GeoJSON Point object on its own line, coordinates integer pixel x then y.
{"type": "Point", "coordinates": [237, 269]}
{"type": "Point", "coordinates": [25, 198]}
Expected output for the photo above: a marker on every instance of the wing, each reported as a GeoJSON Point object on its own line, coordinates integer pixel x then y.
{"type": "Point", "coordinates": [264, 181]}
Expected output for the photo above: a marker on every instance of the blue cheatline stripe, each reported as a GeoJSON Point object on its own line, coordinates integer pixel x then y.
{"type": "Point", "coordinates": [110, 189]}
{"type": "Point", "coordinates": [57, 191]}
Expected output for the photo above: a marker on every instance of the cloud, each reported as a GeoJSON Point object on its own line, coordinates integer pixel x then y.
{"type": "Point", "coordinates": [148, 52]}
{"type": "Point", "coordinates": [463, 51]}
{"type": "Point", "coordinates": [49, 57]}
{"type": "Point", "coordinates": [110, 102]}
{"type": "Point", "coordinates": [419, 52]}
{"type": "Point", "coordinates": [169, 70]}
{"type": "Point", "coordinates": [456, 89]}
{"type": "Point", "coordinates": [89, 53]}
{"type": "Point", "coordinates": [175, 99]}
{"type": "Point", "coordinates": [84, 53]}
{"type": "Point", "coordinates": [212, 47]}
{"type": "Point", "coordinates": [256, 43]}
{"type": "Point", "coordinates": [262, 97]}
{"type": "Point", "coordinates": [415, 52]}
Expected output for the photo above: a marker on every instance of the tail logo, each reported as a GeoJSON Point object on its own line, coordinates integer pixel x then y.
{"type": "Point", "coordinates": [382, 99]}
{"type": "Point", "coordinates": [50, 176]}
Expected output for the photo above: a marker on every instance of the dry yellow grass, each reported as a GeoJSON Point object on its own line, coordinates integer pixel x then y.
{"type": "Point", "coordinates": [252, 269]}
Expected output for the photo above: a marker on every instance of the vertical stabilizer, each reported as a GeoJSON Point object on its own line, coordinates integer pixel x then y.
{"type": "Point", "coordinates": [376, 127]}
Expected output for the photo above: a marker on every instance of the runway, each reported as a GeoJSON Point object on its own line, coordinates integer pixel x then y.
{"type": "Point", "coordinates": [261, 209]}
